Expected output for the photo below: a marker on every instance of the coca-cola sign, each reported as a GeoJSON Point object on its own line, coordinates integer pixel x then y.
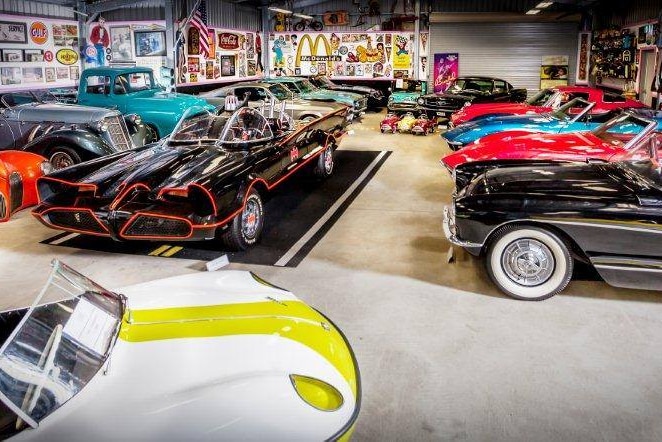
{"type": "Point", "coordinates": [227, 40]}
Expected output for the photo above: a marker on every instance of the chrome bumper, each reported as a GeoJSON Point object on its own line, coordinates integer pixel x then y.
{"type": "Point", "coordinates": [448, 225]}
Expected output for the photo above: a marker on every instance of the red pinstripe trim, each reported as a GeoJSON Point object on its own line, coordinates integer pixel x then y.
{"type": "Point", "coordinates": [154, 215]}
{"type": "Point", "coordinates": [68, 183]}
{"type": "Point", "coordinates": [41, 217]}
{"type": "Point", "coordinates": [118, 199]}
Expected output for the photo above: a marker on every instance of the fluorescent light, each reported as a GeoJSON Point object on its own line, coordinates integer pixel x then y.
{"type": "Point", "coordinates": [281, 10]}
{"type": "Point", "coordinates": [303, 16]}
{"type": "Point", "coordinates": [532, 11]}
{"type": "Point", "coordinates": [543, 5]}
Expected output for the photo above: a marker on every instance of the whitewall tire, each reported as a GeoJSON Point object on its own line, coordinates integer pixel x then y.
{"type": "Point", "coordinates": [529, 263]}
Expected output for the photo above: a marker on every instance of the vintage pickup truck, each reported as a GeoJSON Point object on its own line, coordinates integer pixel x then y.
{"type": "Point", "coordinates": [134, 90]}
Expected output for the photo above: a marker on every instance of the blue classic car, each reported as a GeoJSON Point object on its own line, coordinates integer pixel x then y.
{"type": "Point", "coordinates": [572, 117]}
{"type": "Point", "coordinates": [304, 89]}
{"type": "Point", "coordinates": [404, 98]}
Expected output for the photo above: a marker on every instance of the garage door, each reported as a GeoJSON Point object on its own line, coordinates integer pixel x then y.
{"type": "Point", "coordinates": [511, 51]}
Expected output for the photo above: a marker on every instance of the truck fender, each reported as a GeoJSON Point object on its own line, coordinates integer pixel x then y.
{"type": "Point", "coordinates": [86, 144]}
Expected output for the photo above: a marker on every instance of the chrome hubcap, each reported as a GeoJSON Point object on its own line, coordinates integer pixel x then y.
{"type": "Point", "coordinates": [328, 160]}
{"type": "Point", "coordinates": [528, 262]}
{"type": "Point", "coordinates": [60, 160]}
{"type": "Point", "coordinates": [250, 218]}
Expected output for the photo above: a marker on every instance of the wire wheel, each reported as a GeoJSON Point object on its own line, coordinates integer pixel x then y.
{"type": "Point", "coordinates": [63, 157]}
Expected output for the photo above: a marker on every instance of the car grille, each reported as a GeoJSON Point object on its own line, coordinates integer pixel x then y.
{"type": "Point", "coordinates": [150, 226]}
{"type": "Point", "coordinates": [403, 106]}
{"type": "Point", "coordinates": [118, 133]}
{"type": "Point", "coordinates": [361, 104]}
{"type": "Point", "coordinates": [15, 191]}
{"type": "Point", "coordinates": [79, 220]}
{"type": "Point", "coordinates": [442, 104]}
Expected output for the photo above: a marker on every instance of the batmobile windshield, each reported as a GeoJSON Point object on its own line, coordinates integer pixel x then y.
{"type": "Point", "coordinates": [54, 348]}
{"type": "Point", "coordinates": [198, 125]}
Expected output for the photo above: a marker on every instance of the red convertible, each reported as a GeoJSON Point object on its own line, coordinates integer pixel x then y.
{"type": "Point", "coordinates": [622, 136]}
{"type": "Point", "coordinates": [544, 101]}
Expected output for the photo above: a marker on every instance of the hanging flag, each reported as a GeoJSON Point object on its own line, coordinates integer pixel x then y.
{"type": "Point", "coordinates": [199, 21]}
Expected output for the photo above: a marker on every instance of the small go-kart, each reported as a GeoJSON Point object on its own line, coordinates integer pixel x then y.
{"type": "Point", "coordinates": [423, 125]}
{"type": "Point", "coordinates": [406, 123]}
{"type": "Point", "coordinates": [390, 123]}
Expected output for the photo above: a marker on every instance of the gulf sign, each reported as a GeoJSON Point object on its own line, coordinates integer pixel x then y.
{"type": "Point", "coordinates": [38, 33]}
{"type": "Point", "coordinates": [66, 56]}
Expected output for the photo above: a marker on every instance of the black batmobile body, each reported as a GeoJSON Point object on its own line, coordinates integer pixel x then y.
{"type": "Point", "coordinates": [206, 178]}
{"type": "Point", "coordinates": [532, 219]}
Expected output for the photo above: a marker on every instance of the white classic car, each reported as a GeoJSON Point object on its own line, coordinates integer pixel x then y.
{"type": "Point", "coordinates": [220, 355]}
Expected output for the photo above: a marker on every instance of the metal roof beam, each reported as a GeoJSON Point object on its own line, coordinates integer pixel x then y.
{"type": "Point", "coordinates": [110, 5]}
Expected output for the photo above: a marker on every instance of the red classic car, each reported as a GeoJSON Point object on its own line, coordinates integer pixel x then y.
{"type": "Point", "coordinates": [622, 136]}
{"type": "Point", "coordinates": [18, 177]}
{"type": "Point", "coordinates": [390, 123]}
{"type": "Point", "coordinates": [423, 125]}
{"type": "Point", "coordinates": [546, 101]}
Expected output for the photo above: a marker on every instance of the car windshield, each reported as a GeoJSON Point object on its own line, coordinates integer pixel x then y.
{"type": "Point", "coordinates": [470, 84]}
{"type": "Point", "coordinates": [280, 92]}
{"type": "Point", "coordinates": [135, 82]}
{"type": "Point", "coordinates": [324, 81]}
{"type": "Point", "coordinates": [625, 130]}
{"type": "Point", "coordinates": [573, 109]}
{"type": "Point", "coordinates": [543, 98]}
{"type": "Point", "coordinates": [198, 125]}
{"type": "Point", "coordinates": [54, 348]}
{"type": "Point", "coordinates": [12, 99]}
{"type": "Point", "coordinates": [305, 86]}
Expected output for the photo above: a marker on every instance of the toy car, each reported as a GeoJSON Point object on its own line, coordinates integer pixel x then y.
{"type": "Point", "coordinates": [214, 355]}
{"type": "Point", "coordinates": [406, 123]}
{"type": "Point", "coordinates": [423, 125]}
{"type": "Point", "coordinates": [390, 123]}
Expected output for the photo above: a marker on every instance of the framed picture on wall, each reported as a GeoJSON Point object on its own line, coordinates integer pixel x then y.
{"type": "Point", "coordinates": [12, 55]}
{"type": "Point", "coordinates": [33, 75]}
{"type": "Point", "coordinates": [13, 32]}
{"type": "Point", "coordinates": [228, 65]}
{"type": "Point", "coordinates": [50, 75]}
{"type": "Point", "coordinates": [120, 43]}
{"type": "Point", "coordinates": [33, 55]}
{"type": "Point", "coordinates": [10, 76]}
{"type": "Point", "coordinates": [150, 43]}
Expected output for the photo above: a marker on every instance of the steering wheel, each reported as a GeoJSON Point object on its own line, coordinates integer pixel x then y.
{"type": "Point", "coordinates": [47, 358]}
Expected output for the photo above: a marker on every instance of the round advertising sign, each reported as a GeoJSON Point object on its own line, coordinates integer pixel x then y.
{"type": "Point", "coordinates": [38, 33]}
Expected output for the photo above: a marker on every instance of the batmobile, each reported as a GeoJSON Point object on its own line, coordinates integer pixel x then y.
{"type": "Point", "coordinates": [18, 180]}
{"type": "Point", "coordinates": [207, 178]}
{"type": "Point", "coordinates": [609, 142]}
{"type": "Point", "coordinates": [531, 220]}
{"type": "Point", "coordinates": [213, 356]}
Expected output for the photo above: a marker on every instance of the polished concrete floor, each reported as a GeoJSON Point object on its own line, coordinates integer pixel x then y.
{"type": "Point", "coordinates": [443, 355]}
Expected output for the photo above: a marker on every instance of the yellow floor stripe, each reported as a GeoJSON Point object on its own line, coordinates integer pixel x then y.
{"type": "Point", "coordinates": [158, 251]}
{"type": "Point", "coordinates": [172, 251]}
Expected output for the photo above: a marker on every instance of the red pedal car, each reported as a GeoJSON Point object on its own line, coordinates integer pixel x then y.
{"type": "Point", "coordinates": [18, 177]}
{"type": "Point", "coordinates": [546, 100]}
{"type": "Point", "coordinates": [390, 123]}
{"type": "Point", "coordinates": [423, 125]}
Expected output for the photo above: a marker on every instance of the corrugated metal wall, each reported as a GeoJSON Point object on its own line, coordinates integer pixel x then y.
{"type": "Point", "coordinates": [626, 13]}
{"type": "Point", "coordinates": [224, 14]}
{"type": "Point", "coordinates": [137, 12]}
{"type": "Point", "coordinates": [511, 51]}
{"type": "Point", "coordinates": [35, 9]}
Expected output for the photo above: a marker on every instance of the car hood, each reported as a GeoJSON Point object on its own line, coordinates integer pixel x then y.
{"type": "Point", "coordinates": [209, 356]}
{"type": "Point", "coordinates": [478, 109]}
{"type": "Point", "coordinates": [56, 112]}
{"type": "Point", "coordinates": [451, 98]}
{"type": "Point", "coordinates": [160, 166]}
{"type": "Point", "coordinates": [357, 88]}
{"type": "Point", "coordinates": [600, 180]}
{"type": "Point", "coordinates": [468, 132]}
{"type": "Point", "coordinates": [404, 96]}
{"type": "Point", "coordinates": [569, 147]}
{"type": "Point", "coordinates": [183, 101]}
{"type": "Point", "coordinates": [342, 97]}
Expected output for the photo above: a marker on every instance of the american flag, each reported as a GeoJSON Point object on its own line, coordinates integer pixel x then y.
{"type": "Point", "coordinates": [199, 21]}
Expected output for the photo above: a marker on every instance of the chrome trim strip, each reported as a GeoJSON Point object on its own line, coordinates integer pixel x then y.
{"type": "Point", "coordinates": [452, 238]}
{"type": "Point", "coordinates": [626, 268]}
{"type": "Point", "coordinates": [604, 226]}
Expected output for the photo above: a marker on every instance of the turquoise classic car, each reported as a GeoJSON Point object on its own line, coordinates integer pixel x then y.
{"type": "Point", "coordinates": [134, 90]}
{"type": "Point", "coordinates": [307, 91]}
{"type": "Point", "coordinates": [404, 97]}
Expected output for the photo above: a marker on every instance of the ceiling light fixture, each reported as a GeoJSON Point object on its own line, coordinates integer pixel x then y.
{"type": "Point", "coordinates": [543, 5]}
{"type": "Point", "coordinates": [303, 16]}
{"type": "Point", "coordinates": [532, 11]}
{"type": "Point", "coordinates": [281, 10]}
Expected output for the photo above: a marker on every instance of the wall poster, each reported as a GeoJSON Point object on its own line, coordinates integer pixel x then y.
{"type": "Point", "coordinates": [367, 55]}
{"type": "Point", "coordinates": [446, 70]}
{"type": "Point", "coordinates": [233, 56]}
{"type": "Point", "coordinates": [33, 49]}
{"type": "Point", "coordinates": [554, 71]}
{"type": "Point", "coordinates": [583, 57]}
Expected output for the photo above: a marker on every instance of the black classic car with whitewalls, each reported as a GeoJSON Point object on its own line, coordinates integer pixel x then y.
{"type": "Point", "coordinates": [532, 219]}
{"type": "Point", "coordinates": [66, 134]}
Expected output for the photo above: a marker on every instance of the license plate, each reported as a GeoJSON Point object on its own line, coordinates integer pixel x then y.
{"type": "Point", "coordinates": [441, 114]}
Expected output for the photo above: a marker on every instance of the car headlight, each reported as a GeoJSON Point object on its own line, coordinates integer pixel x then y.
{"type": "Point", "coordinates": [421, 101]}
{"type": "Point", "coordinates": [46, 167]}
{"type": "Point", "coordinates": [316, 393]}
{"type": "Point", "coordinates": [135, 119]}
{"type": "Point", "coordinates": [101, 126]}
{"type": "Point", "coordinates": [468, 103]}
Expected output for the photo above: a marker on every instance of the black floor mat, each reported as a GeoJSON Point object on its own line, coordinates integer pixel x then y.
{"type": "Point", "coordinates": [298, 214]}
